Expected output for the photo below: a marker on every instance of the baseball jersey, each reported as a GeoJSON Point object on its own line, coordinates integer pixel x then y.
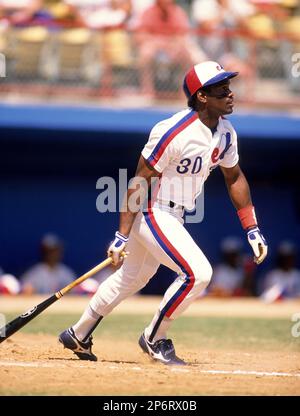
{"type": "Point", "coordinates": [185, 151]}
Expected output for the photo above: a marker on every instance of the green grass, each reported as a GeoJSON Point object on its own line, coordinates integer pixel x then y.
{"type": "Point", "coordinates": [205, 332]}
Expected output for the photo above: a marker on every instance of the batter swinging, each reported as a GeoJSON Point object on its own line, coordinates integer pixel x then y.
{"type": "Point", "coordinates": [185, 147]}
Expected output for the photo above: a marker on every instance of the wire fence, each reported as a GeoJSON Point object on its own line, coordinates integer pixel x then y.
{"type": "Point", "coordinates": [85, 63]}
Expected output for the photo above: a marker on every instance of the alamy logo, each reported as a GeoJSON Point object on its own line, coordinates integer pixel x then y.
{"type": "Point", "coordinates": [2, 65]}
{"type": "Point", "coordinates": [295, 331]}
{"type": "Point", "coordinates": [2, 325]}
{"type": "Point", "coordinates": [296, 66]}
{"type": "Point", "coordinates": [112, 193]}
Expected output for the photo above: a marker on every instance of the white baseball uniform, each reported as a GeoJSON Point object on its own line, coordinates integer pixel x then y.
{"type": "Point", "coordinates": [184, 151]}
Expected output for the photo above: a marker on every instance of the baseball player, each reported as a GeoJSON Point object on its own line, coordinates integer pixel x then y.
{"type": "Point", "coordinates": [184, 148]}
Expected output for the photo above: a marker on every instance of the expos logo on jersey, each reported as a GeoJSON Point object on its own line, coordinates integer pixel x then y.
{"type": "Point", "coordinates": [219, 152]}
{"type": "Point", "coordinates": [194, 166]}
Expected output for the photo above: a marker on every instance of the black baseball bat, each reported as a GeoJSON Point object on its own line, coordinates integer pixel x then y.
{"type": "Point", "coordinates": [18, 323]}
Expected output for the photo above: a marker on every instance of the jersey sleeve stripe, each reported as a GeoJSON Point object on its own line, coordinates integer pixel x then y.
{"type": "Point", "coordinates": [169, 136]}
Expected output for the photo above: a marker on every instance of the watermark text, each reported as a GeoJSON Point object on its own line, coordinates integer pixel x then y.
{"type": "Point", "coordinates": [2, 66]}
{"type": "Point", "coordinates": [296, 66]}
{"type": "Point", "coordinates": [138, 194]}
{"type": "Point", "coordinates": [295, 331]}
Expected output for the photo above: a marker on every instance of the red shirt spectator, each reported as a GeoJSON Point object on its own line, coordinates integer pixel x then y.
{"type": "Point", "coordinates": [163, 33]}
{"type": "Point", "coordinates": [164, 18]}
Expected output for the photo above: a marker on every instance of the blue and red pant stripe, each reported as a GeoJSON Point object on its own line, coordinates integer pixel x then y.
{"type": "Point", "coordinates": [186, 286]}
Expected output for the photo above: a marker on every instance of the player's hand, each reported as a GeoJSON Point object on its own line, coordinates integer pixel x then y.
{"type": "Point", "coordinates": [117, 246]}
{"type": "Point", "coordinates": [258, 244]}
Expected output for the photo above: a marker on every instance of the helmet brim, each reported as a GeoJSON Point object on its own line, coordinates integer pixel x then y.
{"type": "Point", "coordinates": [220, 77]}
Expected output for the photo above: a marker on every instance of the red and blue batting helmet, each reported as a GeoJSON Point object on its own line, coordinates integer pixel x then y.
{"type": "Point", "coordinates": [204, 74]}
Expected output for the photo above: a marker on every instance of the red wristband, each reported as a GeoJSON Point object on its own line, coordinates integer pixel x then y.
{"type": "Point", "coordinates": [247, 216]}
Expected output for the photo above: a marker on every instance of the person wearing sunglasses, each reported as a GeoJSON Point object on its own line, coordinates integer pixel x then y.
{"type": "Point", "coordinates": [174, 164]}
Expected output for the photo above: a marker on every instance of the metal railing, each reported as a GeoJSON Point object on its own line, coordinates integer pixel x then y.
{"type": "Point", "coordinates": [99, 64]}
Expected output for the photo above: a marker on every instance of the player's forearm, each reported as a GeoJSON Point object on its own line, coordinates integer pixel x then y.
{"type": "Point", "coordinates": [133, 202]}
{"type": "Point", "coordinates": [136, 195]}
{"type": "Point", "coordinates": [237, 186]}
{"type": "Point", "coordinates": [126, 222]}
{"type": "Point", "coordinates": [239, 191]}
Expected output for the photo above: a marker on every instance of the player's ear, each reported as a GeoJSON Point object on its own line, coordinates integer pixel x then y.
{"type": "Point", "coordinates": [201, 97]}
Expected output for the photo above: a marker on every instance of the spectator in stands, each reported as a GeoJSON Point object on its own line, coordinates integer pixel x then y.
{"type": "Point", "coordinates": [232, 277]}
{"type": "Point", "coordinates": [138, 8]}
{"type": "Point", "coordinates": [269, 18]}
{"type": "Point", "coordinates": [284, 280]}
{"type": "Point", "coordinates": [273, 18]}
{"type": "Point", "coordinates": [50, 274]}
{"type": "Point", "coordinates": [211, 16]}
{"type": "Point", "coordinates": [111, 18]}
{"type": "Point", "coordinates": [19, 12]}
{"type": "Point", "coordinates": [163, 34]}
{"type": "Point", "coordinates": [101, 14]}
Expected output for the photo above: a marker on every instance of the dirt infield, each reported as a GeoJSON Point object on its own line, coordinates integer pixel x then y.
{"type": "Point", "coordinates": [36, 364]}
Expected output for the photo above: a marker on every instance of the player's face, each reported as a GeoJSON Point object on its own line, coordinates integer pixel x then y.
{"type": "Point", "coordinates": [220, 98]}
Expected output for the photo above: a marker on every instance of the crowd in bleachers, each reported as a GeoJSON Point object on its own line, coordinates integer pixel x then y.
{"type": "Point", "coordinates": [235, 275]}
{"type": "Point", "coordinates": [263, 17]}
{"type": "Point", "coordinates": [88, 39]}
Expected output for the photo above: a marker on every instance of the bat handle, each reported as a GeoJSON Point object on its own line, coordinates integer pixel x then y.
{"type": "Point", "coordinates": [26, 317]}
{"type": "Point", "coordinates": [85, 276]}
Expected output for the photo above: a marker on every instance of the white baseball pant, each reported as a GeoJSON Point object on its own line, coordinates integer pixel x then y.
{"type": "Point", "coordinates": [157, 237]}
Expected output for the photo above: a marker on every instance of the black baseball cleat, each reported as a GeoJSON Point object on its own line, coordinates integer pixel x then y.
{"type": "Point", "coordinates": [162, 350]}
{"type": "Point", "coordinates": [83, 350]}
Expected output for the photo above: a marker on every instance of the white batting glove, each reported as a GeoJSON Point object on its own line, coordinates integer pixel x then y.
{"type": "Point", "coordinates": [116, 248]}
{"type": "Point", "coordinates": [258, 244]}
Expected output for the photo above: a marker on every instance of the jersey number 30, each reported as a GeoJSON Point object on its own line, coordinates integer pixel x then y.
{"type": "Point", "coordinates": [186, 165]}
